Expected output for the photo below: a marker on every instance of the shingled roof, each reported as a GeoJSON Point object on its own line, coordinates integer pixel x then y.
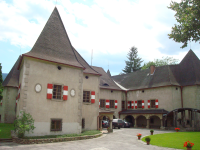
{"type": "Point", "coordinates": [145, 111]}
{"type": "Point", "coordinates": [185, 73]}
{"type": "Point", "coordinates": [12, 79]}
{"type": "Point", "coordinates": [88, 68]}
{"type": "Point", "coordinates": [53, 44]}
{"type": "Point", "coordinates": [106, 81]}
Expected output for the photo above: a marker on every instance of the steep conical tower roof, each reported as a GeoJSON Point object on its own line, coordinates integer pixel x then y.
{"type": "Point", "coordinates": [108, 72]}
{"type": "Point", "coordinates": [12, 79]}
{"type": "Point", "coordinates": [190, 69]}
{"type": "Point", "coordinates": [53, 44]}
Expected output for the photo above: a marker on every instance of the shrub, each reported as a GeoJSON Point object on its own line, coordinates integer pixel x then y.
{"type": "Point", "coordinates": [147, 139]}
{"type": "Point", "coordinates": [24, 123]}
{"type": "Point", "coordinates": [151, 130]}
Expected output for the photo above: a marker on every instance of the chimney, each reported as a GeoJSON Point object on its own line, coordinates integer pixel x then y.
{"type": "Point", "coordinates": [152, 69]}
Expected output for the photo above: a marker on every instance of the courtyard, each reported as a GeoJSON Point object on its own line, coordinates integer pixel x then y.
{"type": "Point", "coordinates": [124, 138]}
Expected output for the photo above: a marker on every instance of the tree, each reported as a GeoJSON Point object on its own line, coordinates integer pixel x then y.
{"type": "Point", "coordinates": [188, 17]}
{"type": "Point", "coordinates": [161, 62]}
{"type": "Point", "coordinates": [24, 123]}
{"type": "Point", "coordinates": [134, 62]}
{"type": "Point", "coordinates": [1, 80]}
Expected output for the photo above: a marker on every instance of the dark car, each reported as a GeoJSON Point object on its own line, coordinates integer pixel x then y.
{"type": "Point", "coordinates": [105, 124]}
{"type": "Point", "coordinates": [126, 124]}
{"type": "Point", "coordinates": [117, 123]}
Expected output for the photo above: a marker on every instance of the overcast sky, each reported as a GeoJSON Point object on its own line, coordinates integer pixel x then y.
{"type": "Point", "coordinates": [108, 27]}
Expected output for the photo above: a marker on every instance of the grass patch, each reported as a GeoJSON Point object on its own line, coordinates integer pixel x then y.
{"type": "Point", "coordinates": [89, 132]}
{"type": "Point", "coordinates": [5, 130]}
{"type": "Point", "coordinates": [175, 140]}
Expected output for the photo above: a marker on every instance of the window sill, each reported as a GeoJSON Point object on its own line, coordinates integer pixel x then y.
{"type": "Point", "coordinates": [104, 108]}
{"type": "Point", "coordinates": [57, 100]}
{"type": "Point", "coordinates": [86, 103]}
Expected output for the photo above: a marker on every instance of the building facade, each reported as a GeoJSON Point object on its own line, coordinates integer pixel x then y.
{"type": "Point", "coordinates": [64, 94]}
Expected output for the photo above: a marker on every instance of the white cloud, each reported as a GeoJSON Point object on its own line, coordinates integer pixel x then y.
{"type": "Point", "coordinates": [109, 27]}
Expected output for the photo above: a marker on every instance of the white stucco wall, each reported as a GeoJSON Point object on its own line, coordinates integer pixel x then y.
{"type": "Point", "coordinates": [90, 110]}
{"type": "Point", "coordinates": [168, 97]}
{"type": "Point", "coordinates": [7, 110]}
{"type": "Point", "coordinates": [42, 109]}
{"type": "Point", "coordinates": [115, 95]}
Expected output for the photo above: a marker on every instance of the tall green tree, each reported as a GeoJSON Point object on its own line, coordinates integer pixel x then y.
{"type": "Point", "coordinates": [188, 17]}
{"type": "Point", "coordinates": [1, 86]}
{"type": "Point", "coordinates": [161, 62]}
{"type": "Point", "coordinates": [134, 62]}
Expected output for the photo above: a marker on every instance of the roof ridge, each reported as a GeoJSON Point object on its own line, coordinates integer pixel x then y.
{"type": "Point", "coordinates": [83, 60]}
{"type": "Point", "coordinates": [53, 43]}
{"type": "Point", "coordinates": [67, 35]}
{"type": "Point", "coordinates": [194, 71]}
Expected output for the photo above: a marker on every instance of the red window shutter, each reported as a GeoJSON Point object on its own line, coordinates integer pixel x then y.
{"type": "Point", "coordinates": [148, 103]}
{"type": "Point", "coordinates": [107, 103]}
{"type": "Point", "coordinates": [142, 103]}
{"type": "Point", "coordinates": [132, 104]}
{"type": "Point", "coordinates": [156, 103]}
{"type": "Point", "coordinates": [93, 97]}
{"type": "Point", "coordinates": [18, 94]}
{"type": "Point", "coordinates": [129, 105]}
{"type": "Point", "coordinates": [65, 93]}
{"type": "Point", "coordinates": [115, 104]}
{"type": "Point", "coordinates": [49, 91]}
{"type": "Point", "coordinates": [135, 104]}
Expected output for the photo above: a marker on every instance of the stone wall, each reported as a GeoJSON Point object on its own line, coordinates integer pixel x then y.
{"type": "Point", "coordinates": [52, 140]}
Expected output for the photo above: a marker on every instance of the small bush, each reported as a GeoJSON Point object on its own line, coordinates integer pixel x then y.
{"type": "Point", "coordinates": [147, 139]}
{"type": "Point", "coordinates": [24, 123]}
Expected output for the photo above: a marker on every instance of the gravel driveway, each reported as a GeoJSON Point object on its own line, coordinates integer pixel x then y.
{"type": "Point", "coordinates": [122, 139]}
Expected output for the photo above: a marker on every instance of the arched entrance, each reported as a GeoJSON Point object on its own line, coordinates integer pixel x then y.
{"type": "Point", "coordinates": [183, 117]}
{"type": "Point", "coordinates": [154, 122]}
{"type": "Point", "coordinates": [141, 121]}
{"type": "Point", "coordinates": [130, 119]}
{"type": "Point", "coordinates": [108, 116]}
{"type": "Point", "coordinates": [114, 117]}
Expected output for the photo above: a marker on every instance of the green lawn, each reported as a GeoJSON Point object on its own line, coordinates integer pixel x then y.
{"type": "Point", "coordinates": [5, 130]}
{"type": "Point", "coordinates": [176, 139]}
{"type": "Point", "coordinates": [90, 132]}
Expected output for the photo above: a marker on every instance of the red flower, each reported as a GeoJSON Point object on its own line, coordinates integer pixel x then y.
{"type": "Point", "coordinates": [177, 129]}
{"type": "Point", "coordinates": [188, 144]}
{"type": "Point", "coordinates": [139, 134]}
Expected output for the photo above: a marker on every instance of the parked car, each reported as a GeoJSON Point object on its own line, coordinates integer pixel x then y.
{"type": "Point", "coordinates": [126, 124]}
{"type": "Point", "coordinates": [117, 123]}
{"type": "Point", "coordinates": [105, 124]}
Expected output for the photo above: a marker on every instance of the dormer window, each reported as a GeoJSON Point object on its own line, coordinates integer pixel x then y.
{"type": "Point", "coordinates": [105, 84]}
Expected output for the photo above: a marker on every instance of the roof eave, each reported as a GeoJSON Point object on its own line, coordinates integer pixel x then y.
{"type": "Point", "coordinates": [48, 61]}
{"type": "Point", "coordinates": [112, 89]}
{"type": "Point", "coordinates": [92, 74]}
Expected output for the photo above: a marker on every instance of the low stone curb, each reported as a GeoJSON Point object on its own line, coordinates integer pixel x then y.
{"type": "Point", "coordinates": [52, 140]}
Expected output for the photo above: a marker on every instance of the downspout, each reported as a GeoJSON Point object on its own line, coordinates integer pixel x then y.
{"type": "Point", "coordinates": [98, 122]}
{"type": "Point", "coordinates": [182, 96]}
{"type": "Point", "coordinates": [126, 100]}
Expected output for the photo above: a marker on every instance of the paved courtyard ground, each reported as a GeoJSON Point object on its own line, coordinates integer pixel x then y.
{"type": "Point", "coordinates": [122, 139]}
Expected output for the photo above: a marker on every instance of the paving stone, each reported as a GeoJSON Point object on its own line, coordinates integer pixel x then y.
{"type": "Point", "coordinates": [124, 138]}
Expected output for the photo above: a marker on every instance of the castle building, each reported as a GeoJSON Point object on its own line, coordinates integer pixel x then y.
{"type": "Point", "coordinates": [64, 94]}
